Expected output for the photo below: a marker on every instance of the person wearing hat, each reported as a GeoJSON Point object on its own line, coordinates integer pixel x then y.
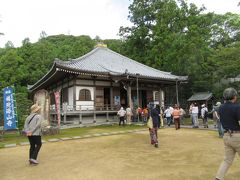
{"type": "Point", "coordinates": [32, 127]}
{"type": "Point", "coordinates": [229, 116]}
{"type": "Point", "coordinates": [121, 113]}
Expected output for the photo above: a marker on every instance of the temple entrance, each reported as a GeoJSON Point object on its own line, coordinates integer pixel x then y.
{"type": "Point", "coordinates": [123, 97]}
{"type": "Point", "coordinates": [107, 100]}
{"type": "Point", "coordinates": [144, 98]}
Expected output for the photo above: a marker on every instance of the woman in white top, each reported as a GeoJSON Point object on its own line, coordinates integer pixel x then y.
{"type": "Point", "coordinates": [195, 116]}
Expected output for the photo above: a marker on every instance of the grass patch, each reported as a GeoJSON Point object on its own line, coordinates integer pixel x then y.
{"type": "Point", "coordinates": [17, 138]}
{"type": "Point", "coordinates": [188, 121]}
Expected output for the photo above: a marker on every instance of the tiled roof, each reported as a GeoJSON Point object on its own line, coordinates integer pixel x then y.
{"type": "Point", "coordinates": [104, 60]}
{"type": "Point", "coordinates": [201, 96]}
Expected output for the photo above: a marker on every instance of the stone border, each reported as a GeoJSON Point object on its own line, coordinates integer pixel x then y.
{"type": "Point", "coordinates": [98, 135]}
{"type": "Point", "coordinates": [78, 137]}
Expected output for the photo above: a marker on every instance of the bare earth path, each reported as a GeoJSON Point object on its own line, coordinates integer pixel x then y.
{"type": "Point", "coordinates": [183, 155]}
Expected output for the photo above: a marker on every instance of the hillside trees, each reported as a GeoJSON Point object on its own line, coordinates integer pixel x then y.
{"type": "Point", "coordinates": [25, 65]}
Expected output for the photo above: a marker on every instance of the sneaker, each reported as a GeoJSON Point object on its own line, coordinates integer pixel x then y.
{"type": "Point", "coordinates": [156, 145]}
{"type": "Point", "coordinates": [33, 161]}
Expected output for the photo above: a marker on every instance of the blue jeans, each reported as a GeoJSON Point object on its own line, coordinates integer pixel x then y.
{"type": "Point", "coordinates": [169, 120]}
{"type": "Point", "coordinates": [145, 118]}
{"type": "Point", "coordinates": [195, 119]}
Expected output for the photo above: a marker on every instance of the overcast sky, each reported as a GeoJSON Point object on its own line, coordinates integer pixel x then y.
{"type": "Point", "coordinates": [27, 18]}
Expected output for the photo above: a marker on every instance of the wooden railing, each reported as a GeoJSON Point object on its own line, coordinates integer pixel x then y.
{"type": "Point", "coordinates": [83, 108]}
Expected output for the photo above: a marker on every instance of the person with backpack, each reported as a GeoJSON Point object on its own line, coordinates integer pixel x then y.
{"type": "Point", "coordinates": [121, 113]}
{"type": "Point", "coordinates": [204, 115]}
{"type": "Point", "coordinates": [32, 128]}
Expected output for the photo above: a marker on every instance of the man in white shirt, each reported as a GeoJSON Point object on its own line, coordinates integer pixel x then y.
{"type": "Point", "coordinates": [168, 116]}
{"type": "Point", "coordinates": [121, 113]}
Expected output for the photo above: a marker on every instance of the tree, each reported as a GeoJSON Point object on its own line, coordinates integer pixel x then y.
{"type": "Point", "coordinates": [9, 44]}
{"type": "Point", "coordinates": [26, 41]}
{"type": "Point", "coordinates": [170, 36]}
{"type": "Point", "coordinates": [43, 35]}
{"type": "Point", "coordinates": [225, 29]}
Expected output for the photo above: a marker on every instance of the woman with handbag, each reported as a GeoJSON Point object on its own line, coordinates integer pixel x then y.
{"type": "Point", "coordinates": [32, 129]}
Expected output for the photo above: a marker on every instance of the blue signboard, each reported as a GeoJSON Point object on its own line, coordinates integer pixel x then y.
{"type": "Point", "coordinates": [10, 117]}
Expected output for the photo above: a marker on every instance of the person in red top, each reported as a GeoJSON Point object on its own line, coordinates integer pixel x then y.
{"type": "Point", "coordinates": [139, 112]}
{"type": "Point", "coordinates": [145, 114]}
{"type": "Point", "coordinates": [176, 116]}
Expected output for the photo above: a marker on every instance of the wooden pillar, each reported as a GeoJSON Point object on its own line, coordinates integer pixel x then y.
{"type": "Point", "coordinates": [80, 117]}
{"type": "Point", "coordinates": [94, 100]}
{"type": "Point", "coordinates": [74, 94]}
{"type": "Point", "coordinates": [94, 115]}
{"type": "Point", "coordinates": [64, 109]}
{"type": "Point", "coordinates": [107, 115]}
{"type": "Point", "coordinates": [129, 95]}
{"type": "Point", "coordinates": [111, 98]}
{"type": "Point", "coordinates": [177, 92]}
{"type": "Point", "coordinates": [160, 97]}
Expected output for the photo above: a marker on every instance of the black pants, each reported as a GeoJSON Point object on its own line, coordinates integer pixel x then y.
{"type": "Point", "coordinates": [35, 145]}
{"type": "Point", "coordinates": [121, 119]}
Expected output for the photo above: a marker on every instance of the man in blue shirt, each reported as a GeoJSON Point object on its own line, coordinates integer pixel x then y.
{"type": "Point", "coordinates": [229, 116]}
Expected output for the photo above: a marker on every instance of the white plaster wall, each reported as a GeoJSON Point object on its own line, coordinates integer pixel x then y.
{"type": "Point", "coordinates": [70, 96]}
{"type": "Point", "coordinates": [84, 105]}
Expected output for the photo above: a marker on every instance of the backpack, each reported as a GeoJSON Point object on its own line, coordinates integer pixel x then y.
{"type": "Point", "coordinates": [205, 114]}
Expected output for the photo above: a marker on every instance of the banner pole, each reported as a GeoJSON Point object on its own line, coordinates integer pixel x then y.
{"type": "Point", "coordinates": [15, 104]}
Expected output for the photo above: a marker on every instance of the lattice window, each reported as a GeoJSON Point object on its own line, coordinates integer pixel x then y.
{"type": "Point", "coordinates": [84, 95]}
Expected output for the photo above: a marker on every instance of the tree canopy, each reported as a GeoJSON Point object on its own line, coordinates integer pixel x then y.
{"type": "Point", "coordinates": [173, 36]}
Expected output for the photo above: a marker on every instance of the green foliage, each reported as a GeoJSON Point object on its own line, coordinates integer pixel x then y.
{"type": "Point", "coordinates": [27, 64]}
{"type": "Point", "coordinates": [174, 36]}
{"type": "Point", "coordinates": [23, 106]}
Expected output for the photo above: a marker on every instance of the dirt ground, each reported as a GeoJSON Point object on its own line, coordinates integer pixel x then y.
{"type": "Point", "coordinates": [183, 155]}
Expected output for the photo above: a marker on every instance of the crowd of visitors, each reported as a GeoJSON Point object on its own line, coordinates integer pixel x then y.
{"type": "Point", "coordinates": [226, 117]}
